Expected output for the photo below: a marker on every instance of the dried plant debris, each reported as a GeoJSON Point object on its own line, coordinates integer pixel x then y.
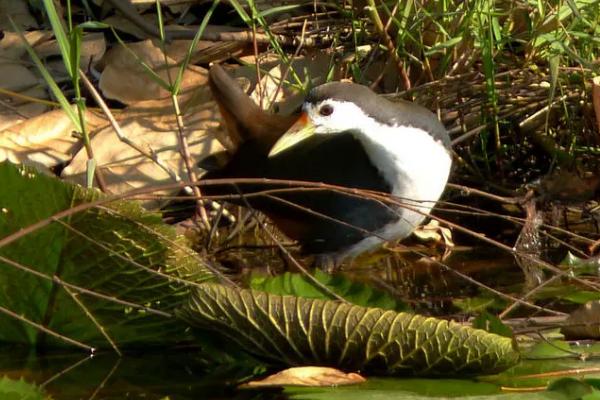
{"type": "Point", "coordinates": [308, 376]}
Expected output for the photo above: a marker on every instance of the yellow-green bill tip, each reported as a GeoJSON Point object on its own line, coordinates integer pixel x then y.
{"type": "Point", "coordinates": [301, 130]}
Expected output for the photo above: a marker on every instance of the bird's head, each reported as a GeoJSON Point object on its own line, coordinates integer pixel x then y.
{"type": "Point", "coordinates": [331, 108]}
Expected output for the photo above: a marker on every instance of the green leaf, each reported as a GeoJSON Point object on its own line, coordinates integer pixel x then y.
{"type": "Point", "coordinates": [20, 390]}
{"type": "Point", "coordinates": [64, 103]}
{"type": "Point", "coordinates": [93, 25]}
{"type": "Point", "coordinates": [479, 304]}
{"type": "Point", "coordinates": [554, 63]}
{"type": "Point", "coordinates": [570, 388]}
{"type": "Point", "coordinates": [581, 296]}
{"type": "Point", "coordinates": [271, 11]}
{"type": "Point", "coordinates": [296, 284]}
{"type": "Point", "coordinates": [300, 331]}
{"type": "Point", "coordinates": [193, 44]}
{"type": "Point", "coordinates": [395, 388]}
{"type": "Point", "coordinates": [118, 250]}
{"type": "Point", "coordinates": [550, 350]}
{"type": "Point", "coordinates": [580, 266]}
{"type": "Point", "coordinates": [75, 37]}
{"type": "Point", "coordinates": [444, 45]}
{"type": "Point", "coordinates": [60, 34]}
{"type": "Point", "coordinates": [241, 12]}
{"type": "Point", "coordinates": [491, 323]}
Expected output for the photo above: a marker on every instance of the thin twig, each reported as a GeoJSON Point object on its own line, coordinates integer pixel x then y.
{"type": "Point", "coordinates": [106, 378]}
{"type": "Point", "coordinates": [167, 277]}
{"type": "Point", "coordinates": [152, 155]}
{"type": "Point", "coordinates": [65, 371]}
{"type": "Point", "coordinates": [80, 289]}
{"type": "Point", "coordinates": [48, 331]}
{"type": "Point", "coordinates": [387, 40]}
{"type": "Point", "coordinates": [94, 320]}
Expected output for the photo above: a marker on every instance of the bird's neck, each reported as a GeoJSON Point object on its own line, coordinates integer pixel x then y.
{"type": "Point", "coordinates": [414, 164]}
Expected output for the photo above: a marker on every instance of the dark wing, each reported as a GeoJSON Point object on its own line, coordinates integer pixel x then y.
{"type": "Point", "coordinates": [337, 160]}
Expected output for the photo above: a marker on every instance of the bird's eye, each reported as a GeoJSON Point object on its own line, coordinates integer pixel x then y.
{"type": "Point", "coordinates": [326, 110]}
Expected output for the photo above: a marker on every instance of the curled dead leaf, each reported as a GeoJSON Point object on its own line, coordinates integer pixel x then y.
{"type": "Point", "coordinates": [308, 376]}
{"type": "Point", "coordinates": [434, 232]}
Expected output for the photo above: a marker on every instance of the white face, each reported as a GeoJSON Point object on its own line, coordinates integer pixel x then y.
{"type": "Point", "coordinates": [335, 116]}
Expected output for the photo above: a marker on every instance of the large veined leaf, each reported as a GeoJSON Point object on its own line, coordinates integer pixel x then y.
{"type": "Point", "coordinates": [115, 251]}
{"type": "Point", "coordinates": [300, 331]}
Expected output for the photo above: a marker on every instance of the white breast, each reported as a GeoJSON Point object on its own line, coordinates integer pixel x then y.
{"type": "Point", "coordinates": [409, 158]}
{"type": "Point", "coordinates": [417, 166]}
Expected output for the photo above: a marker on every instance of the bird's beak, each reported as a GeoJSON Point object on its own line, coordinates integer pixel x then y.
{"type": "Point", "coordinates": [302, 129]}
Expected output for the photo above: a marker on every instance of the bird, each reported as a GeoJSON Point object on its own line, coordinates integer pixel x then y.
{"type": "Point", "coordinates": [345, 135]}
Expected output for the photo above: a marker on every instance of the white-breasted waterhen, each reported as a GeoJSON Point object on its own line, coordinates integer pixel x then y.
{"type": "Point", "coordinates": [345, 135]}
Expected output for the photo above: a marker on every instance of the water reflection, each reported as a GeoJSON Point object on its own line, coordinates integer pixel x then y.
{"type": "Point", "coordinates": [180, 374]}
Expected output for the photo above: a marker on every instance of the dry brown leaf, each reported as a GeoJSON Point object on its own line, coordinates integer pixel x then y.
{"type": "Point", "coordinates": [152, 126]}
{"type": "Point", "coordinates": [584, 322]}
{"type": "Point", "coordinates": [122, 24]}
{"type": "Point", "coordinates": [177, 49]}
{"type": "Point", "coordinates": [43, 141]}
{"type": "Point", "coordinates": [309, 376]}
{"type": "Point", "coordinates": [596, 98]}
{"type": "Point", "coordinates": [93, 47]}
{"type": "Point", "coordinates": [17, 78]}
{"type": "Point", "coordinates": [434, 232]}
{"type": "Point", "coordinates": [14, 111]}
{"type": "Point", "coordinates": [18, 11]}
{"type": "Point", "coordinates": [13, 48]}
{"type": "Point", "coordinates": [124, 79]}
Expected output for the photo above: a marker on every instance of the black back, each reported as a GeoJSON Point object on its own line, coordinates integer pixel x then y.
{"type": "Point", "coordinates": [338, 160]}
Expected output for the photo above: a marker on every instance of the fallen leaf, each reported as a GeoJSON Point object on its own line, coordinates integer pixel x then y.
{"type": "Point", "coordinates": [93, 47]}
{"type": "Point", "coordinates": [14, 111]}
{"type": "Point", "coordinates": [43, 141]}
{"type": "Point", "coordinates": [122, 24]}
{"type": "Point", "coordinates": [13, 48]}
{"type": "Point", "coordinates": [21, 80]}
{"type": "Point", "coordinates": [152, 126]}
{"type": "Point", "coordinates": [16, 77]}
{"type": "Point", "coordinates": [126, 80]}
{"type": "Point", "coordinates": [18, 11]}
{"type": "Point", "coordinates": [308, 376]}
